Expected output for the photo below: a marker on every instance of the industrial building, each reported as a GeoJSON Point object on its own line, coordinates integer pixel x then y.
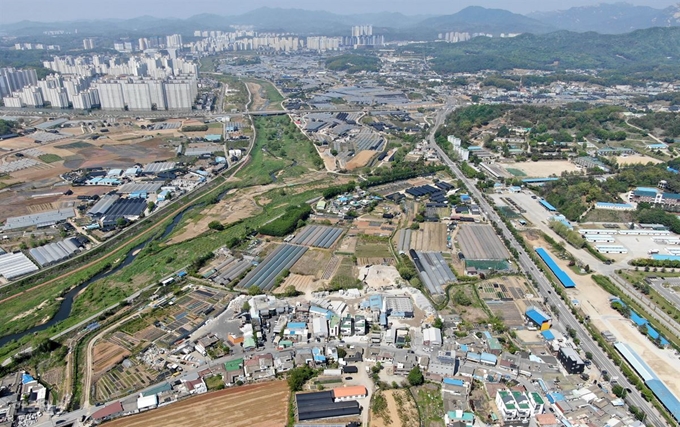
{"type": "Point", "coordinates": [401, 307]}
{"type": "Point", "coordinates": [128, 209]}
{"type": "Point", "coordinates": [42, 219]}
{"type": "Point", "coordinates": [571, 361]}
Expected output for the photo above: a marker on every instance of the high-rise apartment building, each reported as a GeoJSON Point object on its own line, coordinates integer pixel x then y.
{"type": "Point", "coordinates": [12, 80]}
{"type": "Point", "coordinates": [88, 44]}
{"type": "Point", "coordinates": [173, 41]}
{"type": "Point", "coordinates": [111, 96]}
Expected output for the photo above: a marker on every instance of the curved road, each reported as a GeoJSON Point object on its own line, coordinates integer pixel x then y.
{"type": "Point", "coordinates": [567, 320]}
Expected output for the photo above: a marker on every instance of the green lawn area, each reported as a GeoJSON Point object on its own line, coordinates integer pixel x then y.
{"type": "Point", "coordinates": [49, 158]}
{"type": "Point", "coordinates": [279, 146]}
{"type": "Point", "coordinates": [515, 172]}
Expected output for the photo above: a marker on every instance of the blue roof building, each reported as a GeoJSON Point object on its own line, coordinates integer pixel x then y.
{"type": "Point", "coordinates": [455, 382]}
{"type": "Point", "coordinates": [547, 205]}
{"type": "Point", "coordinates": [548, 335]}
{"type": "Point", "coordinates": [489, 359]}
{"type": "Point", "coordinates": [213, 137]}
{"type": "Point", "coordinates": [319, 357]}
{"type": "Point", "coordinates": [563, 277]}
{"type": "Point", "coordinates": [539, 317]}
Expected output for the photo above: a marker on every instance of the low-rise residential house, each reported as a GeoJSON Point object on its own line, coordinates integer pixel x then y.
{"type": "Point", "coordinates": [260, 366]}
{"type": "Point", "coordinates": [404, 363]}
{"type": "Point", "coordinates": [459, 418]}
{"type": "Point", "coordinates": [284, 361]}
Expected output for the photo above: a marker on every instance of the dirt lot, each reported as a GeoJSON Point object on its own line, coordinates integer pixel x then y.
{"type": "Point", "coordinates": [348, 245]}
{"type": "Point", "coordinates": [544, 168]}
{"type": "Point", "coordinates": [430, 237]}
{"type": "Point", "coordinates": [400, 410]}
{"type": "Point", "coordinates": [360, 160]}
{"type": "Point", "coordinates": [629, 160]}
{"type": "Point", "coordinates": [237, 407]}
{"type": "Point", "coordinates": [378, 276]}
{"type": "Point", "coordinates": [107, 355]}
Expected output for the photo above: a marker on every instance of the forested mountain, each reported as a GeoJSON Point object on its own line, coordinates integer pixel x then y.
{"type": "Point", "coordinates": [609, 18]}
{"type": "Point", "coordinates": [648, 50]}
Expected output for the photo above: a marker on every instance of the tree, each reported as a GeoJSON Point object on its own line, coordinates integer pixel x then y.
{"type": "Point", "coordinates": [438, 323]}
{"type": "Point", "coordinates": [216, 225]}
{"type": "Point", "coordinates": [297, 377]}
{"type": "Point", "coordinates": [290, 291]}
{"type": "Point", "coordinates": [415, 377]}
{"type": "Point", "coordinates": [150, 206]}
{"type": "Point", "coordinates": [589, 355]}
{"type": "Point", "coordinates": [619, 391]}
{"type": "Point", "coordinates": [121, 222]}
{"type": "Point", "coordinates": [254, 290]}
{"type": "Point", "coordinates": [342, 353]}
{"type": "Point", "coordinates": [245, 306]}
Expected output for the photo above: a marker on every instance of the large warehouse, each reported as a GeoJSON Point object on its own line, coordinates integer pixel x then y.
{"type": "Point", "coordinates": [42, 219]}
{"type": "Point", "coordinates": [482, 248]}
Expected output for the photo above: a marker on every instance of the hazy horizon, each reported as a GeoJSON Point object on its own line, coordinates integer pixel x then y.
{"type": "Point", "coordinates": [72, 10]}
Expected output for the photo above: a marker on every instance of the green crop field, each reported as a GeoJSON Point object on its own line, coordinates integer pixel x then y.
{"type": "Point", "coordinates": [49, 158]}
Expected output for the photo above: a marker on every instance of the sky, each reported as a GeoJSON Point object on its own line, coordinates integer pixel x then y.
{"type": "Point", "coordinates": [68, 10]}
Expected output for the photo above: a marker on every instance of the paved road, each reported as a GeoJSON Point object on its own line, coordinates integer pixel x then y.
{"type": "Point", "coordinates": [526, 264]}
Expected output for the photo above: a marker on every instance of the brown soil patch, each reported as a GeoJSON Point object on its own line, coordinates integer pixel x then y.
{"type": "Point", "coordinates": [234, 407]}
{"type": "Point", "coordinates": [106, 356]}
{"type": "Point", "coordinates": [430, 237]}
{"type": "Point", "coordinates": [630, 160]}
{"type": "Point", "coordinates": [360, 160]}
{"type": "Point", "coordinates": [312, 263]}
{"type": "Point", "coordinates": [303, 284]}
{"type": "Point", "coordinates": [400, 412]}
{"type": "Point", "coordinates": [258, 102]}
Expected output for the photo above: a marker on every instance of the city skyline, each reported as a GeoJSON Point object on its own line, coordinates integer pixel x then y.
{"type": "Point", "coordinates": [72, 10]}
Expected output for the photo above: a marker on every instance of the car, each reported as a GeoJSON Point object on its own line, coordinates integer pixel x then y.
{"type": "Point", "coordinates": [348, 378]}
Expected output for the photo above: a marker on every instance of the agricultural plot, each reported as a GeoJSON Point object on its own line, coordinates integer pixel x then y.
{"type": "Point", "coordinates": [373, 250]}
{"type": "Point", "coordinates": [237, 407]}
{"type": "Point", "coordinates": [430, 405]}
{"type": "Point", "coordinates": [106, 356]}
{"type": "Point", "coordinates": [121, 381]}
{"type": "Point", "coordinates": [265, 274]}
{"type": "Point", "coordinates": [318, 236]}
{"type": "Point", "coordinates": [393, 408]}
{"type": "Point", "coordinates": [312, 263]}
{"type": "Point", "coordinates": [347, 245]}
{"type": "Point", "coordinates": [430, 237]}
{"type": "Point", "coordinates": [480, 242]}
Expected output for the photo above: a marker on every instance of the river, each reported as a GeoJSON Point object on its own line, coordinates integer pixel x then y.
{"type": "Point", "coordinates": [67, 303]}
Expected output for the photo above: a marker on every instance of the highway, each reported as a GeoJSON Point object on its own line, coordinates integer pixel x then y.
{"type": "Point", "coordinates": [566, 318]}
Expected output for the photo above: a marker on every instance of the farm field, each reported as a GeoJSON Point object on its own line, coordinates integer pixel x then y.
{"type": "Point", "coordinates": [237, 407]}
{"type": "Point", "coordinates": [107, 355]}
{"type": "Point", "coordinates": [431, 237]}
